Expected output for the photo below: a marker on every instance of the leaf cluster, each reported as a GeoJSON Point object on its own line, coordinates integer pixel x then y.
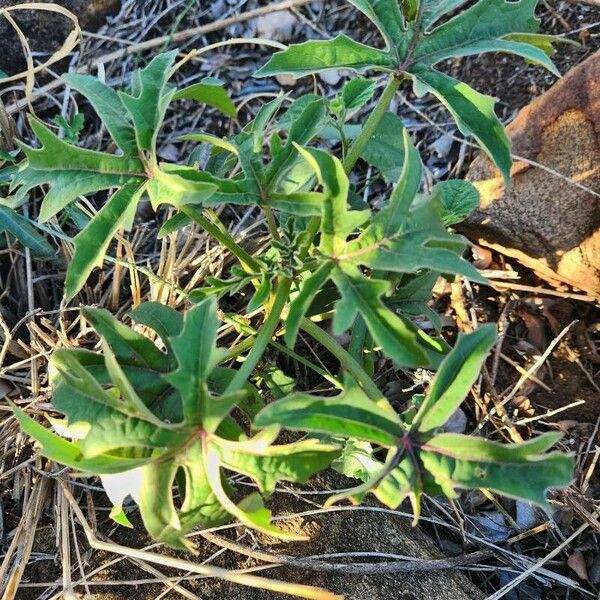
{"type": "Point", "coordinates": [157, 415]}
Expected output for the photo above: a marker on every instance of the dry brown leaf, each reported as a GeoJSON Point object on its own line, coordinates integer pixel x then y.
{"type": "Point", "coordinates": [577, 563]}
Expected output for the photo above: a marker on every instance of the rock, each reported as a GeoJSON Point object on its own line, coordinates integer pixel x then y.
{"type": "Point", "coordinates": [46, 31]}
{"type": "Point", "coordinates": [545, 222]}
{"type": "Point", "coordinates": [457, 423]}
{"type": "Point", "coordinates": [330, 77]}
{"type": "Point", "coordinates": [342, 532]}
{"type": "Point", "coordinates": [276, 26]}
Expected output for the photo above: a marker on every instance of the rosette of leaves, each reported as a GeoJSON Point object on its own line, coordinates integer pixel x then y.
{"type": "Point", "coordinates": [133, 119]}
{"type": "Point", "coordinates": [151, 422]}
{"type": "Point", "coordinates": [406, 456]}
{"type": "Point", "coordinates": [415, 42]}
{"type": "Point", "coordinates": [407, 236]}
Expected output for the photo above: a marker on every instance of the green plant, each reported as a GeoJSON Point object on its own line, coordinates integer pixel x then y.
{"type": "Point", "coordinates": [145, 419]}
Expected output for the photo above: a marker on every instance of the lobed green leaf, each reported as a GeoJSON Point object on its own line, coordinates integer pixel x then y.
{"type": "Point", "coordinates": [315, 56]}
{"type": "Point", "coordinates": [351, 414]}
{"type": "Point", "coordinates": [454, 379]}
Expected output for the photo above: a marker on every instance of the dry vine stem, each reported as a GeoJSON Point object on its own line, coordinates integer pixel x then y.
{"type": "Point", "coordinates": [405, 566]}
{"type": "Point", "coordinates": [146, 45]}
{"type": "Point", "coordinates": [281, 587]}
{"type": "Point", "coordinates": [68, 45]}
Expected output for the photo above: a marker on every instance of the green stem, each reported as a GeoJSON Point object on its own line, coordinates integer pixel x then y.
{"type": "Point", "coordinates": [346, 360]}
{"type": "Point", "coordinates": [309, 235]}
{"type": "Point", "coordinates": [271, 222]}
{"type": "Point", "coordinates": [263, 338]}
{"type": "Point", "coordinates": [223, 236]}
{"type": "Point", "coordinates": [356, 149]}
{"type": "Point", "coordinates": [249, 342]}
{"type": "Point", "coordinates": [372, 123]}
{"type": "Point", "coordinates": [357, 341]}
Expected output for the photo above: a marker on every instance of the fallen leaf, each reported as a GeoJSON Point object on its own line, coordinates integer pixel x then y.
{"type": "Point", "coordinates": [577, 563]}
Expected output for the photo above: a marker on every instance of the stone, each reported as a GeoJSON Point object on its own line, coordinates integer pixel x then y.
{"type": "Point", "coordinates": [46, 31]}
{"type": "Point", "coordinates": [329, 533]}
{"type": "Point", "coordinates": [545, 222]}
{"type": "Point", "coordinates": [277, 26]}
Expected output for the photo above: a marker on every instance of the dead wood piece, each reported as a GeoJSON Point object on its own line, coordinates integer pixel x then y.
{"type": "Point", "coordinates": [543, 221]}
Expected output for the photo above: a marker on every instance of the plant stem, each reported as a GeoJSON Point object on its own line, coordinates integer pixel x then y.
{"type": "Point", "coordinates": [346, 360]}
{"type": "Point", "coordinates": [373, 121]}
{"type": "Point", "coordinates": [356, 150]}
{"type": "Point", "coordinates": [271, 222]}
{"type": "Point", "coordinates": [249, 342]}
{"type": "Point", "coordinates": [264, 336]}
{"type": "Point", "coordinates": [223, 236]}
{"type": "Point", "coordinates": [309, 235]}
{"type": "Point", "coordinates": [357, 341]}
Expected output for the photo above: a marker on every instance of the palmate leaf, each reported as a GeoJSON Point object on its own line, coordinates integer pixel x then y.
{"type": "Point", "coordinates": [418, 245]}
{"type": "Point", "coordinates": [263, 184]}
{"type": "Point", "coordinates": [69, 171]}
{"type": "Point", "coordinates": [107, 408]}
{"type": "Point", "coordinates": [398, 239]}
{"type": "Point", "coordinates": [414, 47]}
{"type": "Point", "coordinates": [301, 303]}
{"type": "Point", "coordinates": [133, 121]}
{"type": "Point", "coordinates": [419, 460]}
{"type": "Point", "coordinates": [406, 239]}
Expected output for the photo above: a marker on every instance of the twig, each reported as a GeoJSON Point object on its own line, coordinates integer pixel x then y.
{"type": "Point", "coordinates": [594, 3]}
{"type": "Point", "coordinates": [379, 568]}
{"type": "Point", "coordinates": [159, 41]}
{"type": "Point", "coordinates": [23, 540]}
{"type": "Point", "coordinates": [525, 376]}
{"type": "Point", "coordinates": [301, 591]}
{"type": "Point", "coordinates": [506, 285]}
{"type": "Point", "coordinates": [515, 582]}
{"type": "Point", "coordinates": [538, 363]}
